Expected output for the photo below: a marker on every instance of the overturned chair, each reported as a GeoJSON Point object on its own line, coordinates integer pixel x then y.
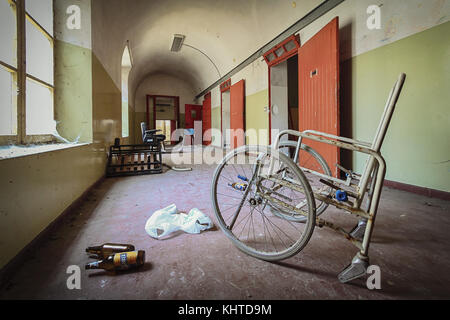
{"type": "Point", "coordinates": [268, 202]}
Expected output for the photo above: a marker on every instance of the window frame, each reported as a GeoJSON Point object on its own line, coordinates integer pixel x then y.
{"type": "Point", "coordinates": [128, 49]}
{"type": "Point", "coordinates": [295, 39]}
{"type": "Point", "coordinates": [20, 77]}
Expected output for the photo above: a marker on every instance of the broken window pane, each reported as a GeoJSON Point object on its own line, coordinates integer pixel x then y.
{"type": "Point", "coordinates": [8, 109]}
{"type": "Point", "coordinates": [8, 38]}
{"type": "Point", "coordinates": [42, 12]}
{"type": "Point", "coordinates": [39, 54]}
{"type": "Point", "coordinates": [279, 52]}
{"type": "Point", "coordinates": [40, 119]}
{"type": "Point", "coordinates": [271, 57]}
{"type": "Point", "coordinates": [290, 45]}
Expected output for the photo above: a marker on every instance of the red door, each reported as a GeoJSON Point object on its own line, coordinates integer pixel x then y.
{"type": "Point", "coordinates": [193, 113]}
{"type": "Point", "coordinates": [237, 114]}
{"type": "Point", "coordinates": [207, 120]}
{"type": "Point", "coordinates": [318, 61]}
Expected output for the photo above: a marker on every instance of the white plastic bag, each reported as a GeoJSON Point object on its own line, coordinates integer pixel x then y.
{"type": "Point", "coordinates": [165, 221]}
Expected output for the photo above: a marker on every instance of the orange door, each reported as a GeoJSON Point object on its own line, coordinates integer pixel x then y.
{"type": "Point", "coordinates": [318, 61]}
{"type": "Point", "coordinates": [237, 114]}
{"type": "Point", "coordinates": [207, 120]}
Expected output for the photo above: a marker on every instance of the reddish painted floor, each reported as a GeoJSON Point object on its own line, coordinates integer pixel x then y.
{"type": "Point", "coordinates": [411, 245]}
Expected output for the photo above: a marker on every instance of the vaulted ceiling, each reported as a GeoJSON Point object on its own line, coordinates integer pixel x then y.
{"type": "Point", "coordinates": [227, 31]}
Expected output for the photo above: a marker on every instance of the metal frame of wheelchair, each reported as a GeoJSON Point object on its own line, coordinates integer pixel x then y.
{"type": "Point", "coordinates": [359, 188]}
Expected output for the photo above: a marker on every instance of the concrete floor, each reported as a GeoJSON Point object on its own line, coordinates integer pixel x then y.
{"type": "Point", "coordinates": [411, 245]}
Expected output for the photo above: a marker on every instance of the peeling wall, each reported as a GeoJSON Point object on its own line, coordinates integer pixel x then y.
{"type": "Point", "coordinates": [403, 23]}
{"type": "Point", "coordinates": [417, 145]}
{"type": "Point", "coordinates": [36, 189]}
{"type": "Point", "coordinates": [399, 19]}
{"type": "Point", "coordinates": [73, 91]}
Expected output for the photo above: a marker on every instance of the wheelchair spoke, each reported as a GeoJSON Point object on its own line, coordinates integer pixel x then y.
{"type": "Point", "coordinates": [245, 211]}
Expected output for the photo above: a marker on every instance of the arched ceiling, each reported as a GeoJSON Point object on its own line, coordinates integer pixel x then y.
{"type": "Point", "coordinates": [228, 31]}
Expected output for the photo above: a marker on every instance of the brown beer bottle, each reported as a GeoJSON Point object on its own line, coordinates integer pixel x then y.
{"type": "Point", "coordinates": [119, 261]}
{"type": "Point", "coordinates": [107, 249]}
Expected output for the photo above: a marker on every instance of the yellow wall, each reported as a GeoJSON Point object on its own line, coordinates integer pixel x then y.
{"type": "Point", "coordinates": [107, 101]}
{"type": "Point", "coordinates": [36, 189]}
{"type": "Point", "coordinates": [417, 145]}
{"type": "Point", "coordinates": [256, 118]}
{"type": "Point", "coordinates": [215, 124]}
{"type": "Point", "coordinates": [73, 87]}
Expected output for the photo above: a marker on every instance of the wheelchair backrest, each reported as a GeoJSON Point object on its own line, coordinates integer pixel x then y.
{"type": "Point", "coordinates": [388, 112]}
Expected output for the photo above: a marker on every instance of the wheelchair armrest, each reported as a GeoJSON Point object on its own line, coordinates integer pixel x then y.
{"type": "Point", "coordinates": [331, 140]}
{"type": "Point", "coordinates": [347, 140]}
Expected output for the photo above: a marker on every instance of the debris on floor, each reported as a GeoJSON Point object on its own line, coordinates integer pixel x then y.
{"type": "Point", "coordinates": [119, 261]}
{"type": "Point", "coordinates": [168, 220]}
{"type": "Point", "coordinates": [107, 249]}
{"type": "Point", "coordinates": [115, 257]}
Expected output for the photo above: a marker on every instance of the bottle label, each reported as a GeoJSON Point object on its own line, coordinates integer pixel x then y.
{"type": "Point", "coordinates": [125, 260]}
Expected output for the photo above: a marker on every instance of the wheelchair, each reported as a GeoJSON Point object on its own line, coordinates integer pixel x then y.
{"type": "Point", "coordinates": [268, 202]}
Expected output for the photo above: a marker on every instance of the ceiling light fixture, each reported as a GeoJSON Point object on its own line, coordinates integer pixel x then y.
{"type": "Point", "coordinates": [178, 40]}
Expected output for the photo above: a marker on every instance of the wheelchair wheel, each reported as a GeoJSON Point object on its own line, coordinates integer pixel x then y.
{"type": "Point", "coordinates": [243, 196]}
{"type": "Point", "coordinates": [312, 160]}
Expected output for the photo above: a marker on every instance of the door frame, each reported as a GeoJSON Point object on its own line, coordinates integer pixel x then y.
{"type": "Point", "coordinates": [206, 97]}
{"type": "Point", "coordinates": [272, 63]}
{"type": "Point", "coordinates": [154, 97]}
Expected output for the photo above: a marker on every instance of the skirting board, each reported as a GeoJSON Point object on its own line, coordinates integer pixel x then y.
{"type": "Point", "coordinates": [431, 193]}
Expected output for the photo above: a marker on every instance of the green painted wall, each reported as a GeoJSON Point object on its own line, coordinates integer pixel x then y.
{"type": "Point", "coordinates": [36, 189]}
{"type": "Point", "coordinates": [256, 118]}
{"type": "Point", "coordinates": [417, 146]}
{"type": "Point", "coordinates": [107, 106]}
{"type": "Point", "coordinates": [73, 88]}
{"type": "Point", "coordinates": [215, 124]}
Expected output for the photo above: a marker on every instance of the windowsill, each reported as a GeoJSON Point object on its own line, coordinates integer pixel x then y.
{"type": "Point", "coordinates": [12, 152]}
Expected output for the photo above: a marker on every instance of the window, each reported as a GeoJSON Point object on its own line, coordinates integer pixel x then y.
{"type": "Point", "coordinates": [283, 51]}
{"type": "Point", "coordinates": [26, 93]}
{"type": "Point", "coordinates": [126, 68]}
{"type": "Point", "coordinates": [8, 69]}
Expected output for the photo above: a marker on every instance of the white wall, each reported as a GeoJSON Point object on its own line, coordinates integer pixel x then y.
{"type": "Point", "coordinates": [79, 37]}
{"type": "Point", "coordinates": [399, 19]}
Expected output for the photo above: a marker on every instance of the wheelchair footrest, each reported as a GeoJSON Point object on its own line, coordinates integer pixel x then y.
{"type": "Point", "coordinates": [355, 270]}
{"type": "Point", "coordinates": [359, 231]}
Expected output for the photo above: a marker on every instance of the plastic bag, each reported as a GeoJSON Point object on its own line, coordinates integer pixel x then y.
{"type": "Point", "coordinates": [168, 220]}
